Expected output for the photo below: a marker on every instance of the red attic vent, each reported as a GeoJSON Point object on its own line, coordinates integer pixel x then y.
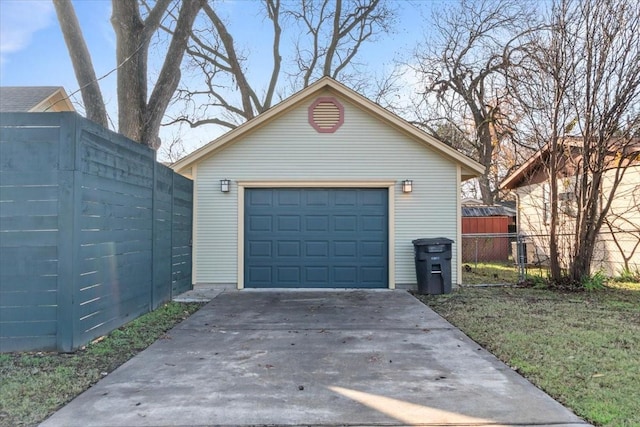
{"type": "Point", "coordinates": [326, 114]}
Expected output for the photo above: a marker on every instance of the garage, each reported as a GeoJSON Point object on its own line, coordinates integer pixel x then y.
{"type": "Point", "coordinates": [323, 190]}
{"type": "Point", "coordinates": [316, 238]}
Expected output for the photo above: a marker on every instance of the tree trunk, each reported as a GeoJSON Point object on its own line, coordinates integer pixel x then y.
{"type": "Point", "coordinates": [485, 148]}
{"type": "Point", "coordinates": [554, 252]}
{"type": "Point", "coordinates": [169, 75]}
{"type": "Point", "coordinates": [81, 60]}
{"type": "Point", "coordinates": [131, 57]}
{"type": "Point", "coordinates": [138, 118]}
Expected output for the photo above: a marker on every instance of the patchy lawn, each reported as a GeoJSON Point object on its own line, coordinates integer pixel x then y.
{"type": "Point", "coordinates": [581, 348]}
{"type": "Point", "coordinates": [483, 273]}
{"type": "Point", "coordinates": [34, 385]}
{"type": "Point", "coordinates": [489, 273]}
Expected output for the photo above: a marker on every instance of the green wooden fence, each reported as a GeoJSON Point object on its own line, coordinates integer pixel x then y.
{"type": "Point", "coordinates": [93, 231]}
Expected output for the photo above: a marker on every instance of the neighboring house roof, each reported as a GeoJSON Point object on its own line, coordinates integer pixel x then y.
{"type": "Point", "coordinates": [470, 168]}
{"type": "Point", "coordinates": [31, 99]}
{"type": "Point", "coordinates": [571, 150]}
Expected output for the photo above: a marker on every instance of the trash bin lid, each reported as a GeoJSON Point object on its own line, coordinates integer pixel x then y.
{"type": "Point", "coordinates": [432, 241]}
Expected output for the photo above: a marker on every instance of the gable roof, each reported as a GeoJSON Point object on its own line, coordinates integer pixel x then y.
{"type": "Point", "coordinates": [469, 167]}
{"type": "Point", "coordinates": [28, 99]}
{"type": "Point", "coordinates": [569, 146]}
{"type": "Point", "coordinates": [519, 175]}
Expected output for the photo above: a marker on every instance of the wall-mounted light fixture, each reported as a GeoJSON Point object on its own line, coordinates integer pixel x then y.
{"type": "Point", "coordinates": [407, 186]}
{"type": "Point", "coordinates": [224, 185]}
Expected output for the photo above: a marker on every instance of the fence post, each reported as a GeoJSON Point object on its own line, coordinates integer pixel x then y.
{"type": "Point", "coordinates": [69, 191]}
{"type": "Point", "coordinates": [520, 256]}
{"type": "Point", "coordinates": [476, 266]}
{"type": "Point", "coordinates": [154, 252]}
{"type": "Point", "coordinates": [173, 202]}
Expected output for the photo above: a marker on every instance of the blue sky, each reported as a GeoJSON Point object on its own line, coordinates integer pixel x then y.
{"type": "Point", "coordinates": [33, 52]}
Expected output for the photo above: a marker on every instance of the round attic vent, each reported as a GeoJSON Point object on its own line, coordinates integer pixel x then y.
{"type": "Point", "coordinates": [326, 114]}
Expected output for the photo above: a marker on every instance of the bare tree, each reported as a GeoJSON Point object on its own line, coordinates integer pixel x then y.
{"type": "Point", "coordinates": [335, 29]}
{"type": "Point", "coordinates": [172, 150]}
{"type": "Point", "coordinates": [581, 94]}
{"type": "Point", "coordinates": [329, 34]}
{"type": "Point", "coordinates": [623, 231]}
{"type": "Point", "coordinates": [464, 67]}
{"type": "Point", "coordinates": [82, 65]}
{"type": "Point", "coordinates": [139, 114]}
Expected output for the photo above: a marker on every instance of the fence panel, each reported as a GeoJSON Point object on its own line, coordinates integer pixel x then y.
{"type": "Point", "coordinates": [28, 231]}
{"type": "Point", "coordinates": [88, 222]}
{"type": "Point", "coordinates": [162, 234]}
{"type": "Point", "coordinates": [182, 233]}
{"type": "Point", "coordinates": [485, 247]}
{"type": "Point", "coordinates": [116, 206]}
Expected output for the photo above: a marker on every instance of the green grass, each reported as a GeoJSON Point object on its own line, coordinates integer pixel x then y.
{"type": "Point", "coordinates": [34, 385]}
{"type": "Point", "coordinates": [489, 273]}
{"type": "Point", "coordinates": [581, 348]}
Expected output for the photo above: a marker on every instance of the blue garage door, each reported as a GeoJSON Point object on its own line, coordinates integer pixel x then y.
{"type": "Point", "coordinates": [316, 238]}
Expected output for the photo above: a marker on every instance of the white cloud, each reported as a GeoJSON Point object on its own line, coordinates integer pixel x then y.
{"type": "Point", "coordinates": [19, 20]}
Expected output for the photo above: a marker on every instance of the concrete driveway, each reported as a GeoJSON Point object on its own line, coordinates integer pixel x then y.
{"type": "Point", "coordinates": [298, 358]}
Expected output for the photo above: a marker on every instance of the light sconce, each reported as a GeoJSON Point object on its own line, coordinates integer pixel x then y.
{"type": "Point", "coordinates": [407, 186]}
{"type": "Point", "coordinates": [224, 185]}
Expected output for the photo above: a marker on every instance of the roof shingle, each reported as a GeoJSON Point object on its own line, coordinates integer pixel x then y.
{"type": "Point", "coordinates": [15, 99]}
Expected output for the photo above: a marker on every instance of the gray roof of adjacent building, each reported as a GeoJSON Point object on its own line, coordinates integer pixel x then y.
{"type": "Point", "coordinates": [14, 99]}
{"type": "Point", "coordinates": [480, 211]}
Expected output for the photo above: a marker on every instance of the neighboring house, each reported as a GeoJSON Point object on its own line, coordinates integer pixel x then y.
{"type": "Point", "coordinates": [34, 99]}
{"type": "Point", "coordinates": [484, 231]}
{"type": "Point", "coordinates": [315, 197]}
{"type": "Point", "coordinates": [619, 239]}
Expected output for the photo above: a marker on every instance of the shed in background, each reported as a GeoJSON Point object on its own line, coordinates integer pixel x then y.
{"type": "Point", "coordinates": [486, 231]}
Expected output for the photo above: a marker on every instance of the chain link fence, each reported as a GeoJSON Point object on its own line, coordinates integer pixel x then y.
{"type": "Point", "coordinates": [482, 247]}
{"type": "Point", "coordinates": [506, 249]}
{"type": "Point", "coordinates": [613, 253]}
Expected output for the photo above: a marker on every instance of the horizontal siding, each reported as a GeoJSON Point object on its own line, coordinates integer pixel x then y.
{"type": "Point", "coordinates": [611, 249]}
{"type": "Point", "coordinates": [290, 149]}
{"type": "Point", "coordinates": [624, 215]}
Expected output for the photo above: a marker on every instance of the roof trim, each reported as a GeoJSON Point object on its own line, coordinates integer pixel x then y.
{"type": "Point", "coordinates": [569, 142]}
{"type": "Point", "coordinates": [470, 168]}
{"type": "Point", "coordinates": [513, 180]}
{"type": "Point", "coordinates": [64, 99]}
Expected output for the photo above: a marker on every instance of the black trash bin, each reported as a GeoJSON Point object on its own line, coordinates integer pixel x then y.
{"type": "Point", "coordinates": [433, 265]}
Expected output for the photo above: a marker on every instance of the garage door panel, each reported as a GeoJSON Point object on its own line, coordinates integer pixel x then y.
{"type": "Point", "coordinates": [372, 249]}
{"type": "Point", "coordinates": [345, 249]}
{"type": "Point", "coordinates": [318, 275]}
{"type": "Point", "coordinates": [288, 197]}
{"type": "Point", "coordinates": [259, 248]}
{"type": "Point", "coordinates": [372, 274]}
{"type": "Point", "coordinates": [345, 276]}
{"type": "Point", "coordinates": [288, 248]}
{"type": "Point", "coordinates": [346, 198]}
{"type": "Point", "coordinates": [260, 275]}
{"type": "Point", "coordinates": [260, 223]}
{"type": "Point", "coordinates": [373, 198]}
{"type": "Point", "coordinates": [347, 223]}
{"type": "Point", "coordinates": [262, 198]}
{"type": "Point", "coordinates": [288, 223]}
{"type": "Point", "coordinates": [373, 223]}
{"type": "Point", "coordinates": [288, 276]}
{"type": "Point", "coordinates": [317, 249]}
{"type": "Point", "coordinates": [317, 223]}
{"type": "Point", "coordinates": [316, 238]}
{"type": "Point", "coordinates": [317, 198]}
